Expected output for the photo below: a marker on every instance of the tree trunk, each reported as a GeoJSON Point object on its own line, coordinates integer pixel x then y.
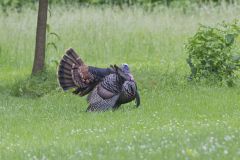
{"type": "Point", "coordinates": [39, 57]}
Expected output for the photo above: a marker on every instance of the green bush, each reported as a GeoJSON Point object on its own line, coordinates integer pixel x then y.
{"type": "Point", "coordinates": [36, 86]}
{"type": "Point", "coordinates": [213, 52]}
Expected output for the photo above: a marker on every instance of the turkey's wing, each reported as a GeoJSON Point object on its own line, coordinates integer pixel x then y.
{"type": "Point", "coordinates": [98, 103]}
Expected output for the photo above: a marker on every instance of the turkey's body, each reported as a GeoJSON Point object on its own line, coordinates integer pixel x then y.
{"type": "Point", "coordinates": [128, 92]}
{"type": "Point", "coordinates": [111, 93]}
{"type": "Point", "coordinates": [108, 87]}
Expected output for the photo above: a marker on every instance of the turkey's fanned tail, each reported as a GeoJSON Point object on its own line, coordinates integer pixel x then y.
{"type": "Point", "coordinates": [65, 70]}
{"type": "Point", "coordinates": [73, 73]}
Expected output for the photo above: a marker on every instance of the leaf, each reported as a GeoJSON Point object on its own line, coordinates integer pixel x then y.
{"type": "Point", "coordinates": [55, 34]}
{"type": "Point", "coordinates": [52, 44]}
{"type": "Point", "coordinates": [236, 58]}
{"type": "Point", "coordinates": [229, 38]}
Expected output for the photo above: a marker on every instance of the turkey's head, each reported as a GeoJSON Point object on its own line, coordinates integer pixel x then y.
{"type": "Point", "coordinates": [125, 68]}
{"type": "Point", "coordinates": [129, 77]}
{"type": "Point", "coordinates": [126, 72]}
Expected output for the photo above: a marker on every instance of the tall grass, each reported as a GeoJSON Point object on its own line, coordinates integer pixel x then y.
{"type": "Point", "coordinates": [108, 35]}
{"type": "Point", "coordinates": [149, 41]}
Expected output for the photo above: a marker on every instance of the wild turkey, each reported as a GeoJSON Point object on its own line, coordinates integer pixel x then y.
{"type": "Point", "coordinates": [108, 87]}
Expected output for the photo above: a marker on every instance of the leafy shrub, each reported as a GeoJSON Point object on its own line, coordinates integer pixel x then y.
{"type": "Point", "coordinates": [35, 86]}
{"type": "Point", "coordinates": [213, 52]}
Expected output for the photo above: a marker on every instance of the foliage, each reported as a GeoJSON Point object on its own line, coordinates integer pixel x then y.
{"type": "Point", "coordinates": [20, 3]}
{"type": "Point", "coordinates": [176, 120]}
{"type": "Point", "coordinates": [213, 52]}
{"type": "Point", "coordinates": [35, 86]}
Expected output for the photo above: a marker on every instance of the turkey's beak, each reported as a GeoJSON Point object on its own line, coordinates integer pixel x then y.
{"type": "Point", "coordinates": [137, 100]}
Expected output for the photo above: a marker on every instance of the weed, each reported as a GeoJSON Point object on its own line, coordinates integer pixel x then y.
{"type": "Point", "coordinates": [213, 53]}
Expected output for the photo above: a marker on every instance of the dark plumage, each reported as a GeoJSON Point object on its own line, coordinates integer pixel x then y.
{"type": "Point", "coordinates": [108, 87]}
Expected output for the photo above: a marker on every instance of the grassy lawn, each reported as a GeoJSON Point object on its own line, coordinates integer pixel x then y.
{"type": "Point", "coordinates": [176, 120]}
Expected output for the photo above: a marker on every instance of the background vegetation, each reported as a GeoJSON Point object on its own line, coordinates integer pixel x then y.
{"type": "Point", "coordinates": [177, 119]}
{"type": "Point", "coordinates": [214, 53]}
{"type": "Point", "coordinates": [20, 3]}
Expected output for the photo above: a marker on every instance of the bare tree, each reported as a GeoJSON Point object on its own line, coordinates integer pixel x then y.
{"type": "Point", "coordinates": [39, 58]}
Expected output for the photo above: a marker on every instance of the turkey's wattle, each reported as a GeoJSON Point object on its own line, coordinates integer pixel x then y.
{"type": "Point", "coordinates": [108, 88]}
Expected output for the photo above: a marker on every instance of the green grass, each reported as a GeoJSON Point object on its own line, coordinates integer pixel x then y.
{"type": "Point", "coordinates": [176, 120]}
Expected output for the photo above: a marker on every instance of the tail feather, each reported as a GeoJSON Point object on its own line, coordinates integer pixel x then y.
{"type": "Point", "coordinates": [66, 63]}
{"type": "Point", "coordinates": [64, 74]}
{"type": "Point", "coordinates": [65, 69]}
{"type": "Point", "coordinates": [65, 80]}
{"type": "Point", "coordinates": [66, 86]}
{"type": "Point", "coordinates": [68, 60]}
{"type": "Point", "coordinates": [66, 66]}
{"type": "Point", "coordinates": [75, 57]}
